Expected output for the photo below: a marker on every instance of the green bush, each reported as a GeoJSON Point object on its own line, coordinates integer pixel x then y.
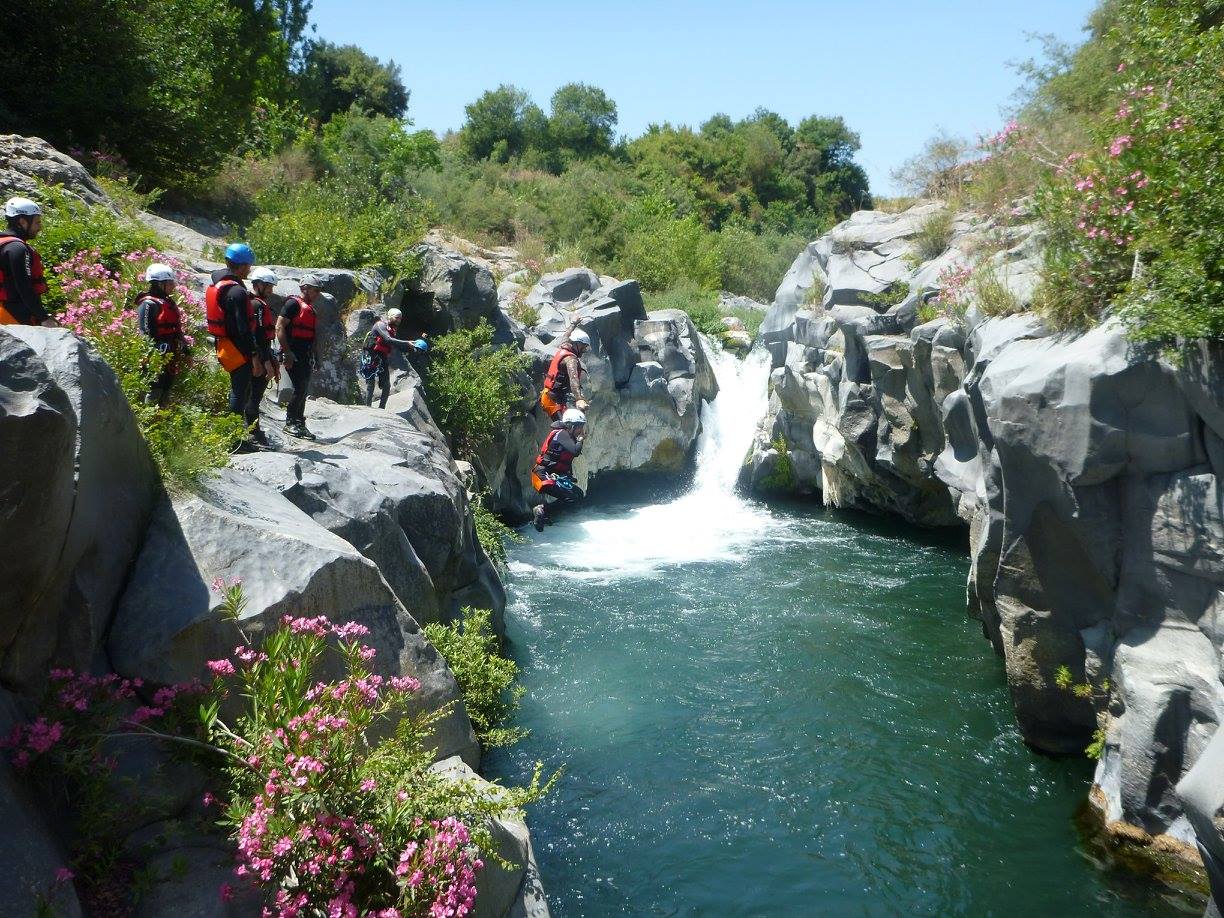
{"type": "Point", "coordinates": [323, 224]}
{"type": "Point", "coordinates": [661, 249]}
{"type": "Point", "coordinates": [992, 296]}
{"type": "Point", "coordinates": [487, 680]}
{"type": "Point", "coordinates": [934, 234]}
{"type": "Point", "coordinates": [752, 263]}
{"type": "Point", "coordinates": [701, 305]}
{"type": "Point", "coordinates": [782, 476]}
{"type": "Point", "coordinates": [893, 295]}
{"type": "Point", "coordinates": [492, 533]}
{"type": "Point", "coordinates": [471, 386]}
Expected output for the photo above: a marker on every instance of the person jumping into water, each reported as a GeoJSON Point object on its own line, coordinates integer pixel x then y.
{"type": "Point", "coordinates": [553, 474]}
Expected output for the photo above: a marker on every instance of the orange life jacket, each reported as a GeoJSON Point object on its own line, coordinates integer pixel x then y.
{"type": "Point", "coordinates": [560, 464]}
{"type": "Point", "coordinates": [167, 322]}
{"type": "Point", "coordinates": [215, 314]}
{"type": "Point", "coordinates": [37, 278]}
{"type": "Point", "coordinates": [556, 380]}
{"type": "Point", "coordinates": [265, 318]}
{"type": "Point", "coordinates": [302, 325]}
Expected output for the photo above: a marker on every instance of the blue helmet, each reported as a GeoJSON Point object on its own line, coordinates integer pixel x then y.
{"type": "Point", "coordinates": [239, 253]}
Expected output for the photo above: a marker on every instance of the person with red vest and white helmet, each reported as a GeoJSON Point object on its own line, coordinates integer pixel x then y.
{"type": "Point", "coordinates": [376, 351]}
{"type": "Point", "coordinates": [263, 281]}
{"type": "Point", "coordinates": [161, 320]}
{"type": "Point", "coordinates": [553, 473]}
{"type": "Point", "coordinates": [22, 280]}
{"type": "Point", "coordinates": [230, 312]}
{"type": "Point", "coordinates": [563, 382]}
{"type": "Point", "coordinates": [297, 332]}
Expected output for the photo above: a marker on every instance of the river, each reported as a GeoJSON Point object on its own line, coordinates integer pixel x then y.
{"type": "Point", "coordinates": [777, 711]}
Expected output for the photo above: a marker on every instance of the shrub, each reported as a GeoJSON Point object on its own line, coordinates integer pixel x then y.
{"type": "Point", "coordinates": [782, 476]}
{"type": "Point", "coordinates": [492, 533]}
{"type": "Point", "coordinates": [661, 250]}
{"type": "Point", "coordinates": [954, 292]}
{"type": "Point", "coordinates": [892, 295]}
{"type": "Point", "coordinates": [195, 433]}
{"type": "Point", "coordinates": [685, 295]}
{"type": "Point", "coordinates": [327, 818]}
{"type": "Point", "coordinates": [991, 294]}
{"type": "Point", "coordinates": [323, 224]}
{"type": "Point", "coordinates": [471, 386]}
{"type": "Point", "coordinates": [486, 679]}
{"type": "Point", "coordinates": [752, 263]}
{"type": "Point", "coordinates": [527, 316]}
{"type": "Point", "coordinates": [816, 292]}
{"type": "Point", "coordinates": [934, 235]}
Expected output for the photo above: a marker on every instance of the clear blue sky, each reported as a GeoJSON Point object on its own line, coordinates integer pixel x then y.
{"type": "Point", "coordinates": [896, 70]}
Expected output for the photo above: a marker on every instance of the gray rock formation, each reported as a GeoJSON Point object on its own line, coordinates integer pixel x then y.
{"type": "Point", "coordinates": [500, 892]}
{"type": "Point", "coordinates": [79, 492]}
{"type": "Point", "coordinates": [25, 161]}
{"type": "Point", "coordinates": [1086, 469]}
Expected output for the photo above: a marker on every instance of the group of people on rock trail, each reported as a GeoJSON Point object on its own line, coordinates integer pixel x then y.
{"type": "Point", "coordinates": [244, 326]}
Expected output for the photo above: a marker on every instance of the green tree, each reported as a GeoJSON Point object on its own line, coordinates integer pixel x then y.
{"type": "Point", "coordinates": [340, 77]}
{"type": "Point", "coordinates": [376, 152]}
{"type": "Point", "coordinates": [502, 123]}
{"type": "Point", "coordinates": [582, 120]}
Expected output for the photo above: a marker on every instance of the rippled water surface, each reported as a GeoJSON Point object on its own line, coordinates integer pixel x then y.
{"type": "Point", "coordinates": [779, 711]}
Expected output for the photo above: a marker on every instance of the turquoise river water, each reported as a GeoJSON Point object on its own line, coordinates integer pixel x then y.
{"type": "Point", "coordinates": [779, 711]}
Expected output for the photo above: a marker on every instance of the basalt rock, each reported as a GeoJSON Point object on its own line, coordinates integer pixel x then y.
{"type": "Point", "coordinates": [77, 496]}
{"type": "Point", "coordinates": [26, 161]}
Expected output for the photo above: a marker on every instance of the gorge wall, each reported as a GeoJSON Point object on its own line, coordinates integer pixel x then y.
{"type": "Point", "coordinates": [1086, 469]}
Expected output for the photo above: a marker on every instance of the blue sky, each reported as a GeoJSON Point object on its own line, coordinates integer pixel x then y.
{"type": "Point", "coordinates": [895, 70]}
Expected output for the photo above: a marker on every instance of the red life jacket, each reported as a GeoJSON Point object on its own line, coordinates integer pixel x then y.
{"type": "Point", "coordinates": [556, 380]}
{"type": "Point", "coordinates": [377, 344]}
{"type": "Point", "coordinates": [302, 325]}
{"type": "Point", "coordinates": [560, 464]}
{"type": "Point", "coordinates": [213, 312]}
{"type": "Point", "coordinates": [167, 322]}
{"type": "Point", "coordinates": [37, 277]}
{"type": "Point", "coordinates": [266, 318]}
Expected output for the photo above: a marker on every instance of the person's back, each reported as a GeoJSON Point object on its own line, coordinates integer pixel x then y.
{"type": "Point", "coordinates": [553, 472]}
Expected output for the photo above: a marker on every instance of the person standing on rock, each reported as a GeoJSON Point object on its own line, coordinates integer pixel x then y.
{"type": "Point", "coordinates": [22, 281]}
{"type": "Point", "coordinates": [230, 312]}
{"type": "Point", "coordinates": [161, 321]}
{"type": "Point", "coordinates": [377, 349]}
{"type": "Point", "coordinates": [563, 381]}
{"type": "Point", "coordinates": [296, 331]}
{"type": "Point", "coordinates": [553, 474]}
{"type": "Point", "coordinates": [263, 280]}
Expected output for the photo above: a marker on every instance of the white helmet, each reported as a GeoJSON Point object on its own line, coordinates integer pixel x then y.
{"type": "Point", "coordinates": [263, 276]}
{"type": "Point", "coordinates": [394, 315]}
{"type": "Point", "coordinates": [573, 416]}
{"type": "Point", "coordinates": [21, 207]}
{"type": "Point", "coordinates": [159, 272]}
{"type": "Point", "coordinates": [578, 336]}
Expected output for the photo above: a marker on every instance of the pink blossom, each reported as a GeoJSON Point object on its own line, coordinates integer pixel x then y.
{"type": "Point", "coordinates": [221, 667]}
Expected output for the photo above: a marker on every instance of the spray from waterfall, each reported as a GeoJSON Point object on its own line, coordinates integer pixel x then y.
{"type": "Point", "coordinates": [711, 522]}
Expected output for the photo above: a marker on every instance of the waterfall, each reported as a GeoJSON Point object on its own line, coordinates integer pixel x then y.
{"type": "Point", "coordinates": [711, 522]}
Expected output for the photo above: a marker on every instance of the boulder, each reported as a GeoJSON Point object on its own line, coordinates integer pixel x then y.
{"type": "Point", "coordinates": [168, 624]}
{"type": "Point", "coordinates": [79, 493]}
{"type": "Point", "coordinates": [514, 892]}
{"type": "Point", "coordinates": [26, 161]}
{"type": "Point", "coordinates": [451, 291]}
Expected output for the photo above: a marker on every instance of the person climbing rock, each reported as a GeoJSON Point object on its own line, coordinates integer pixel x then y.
{"type": "Point", "coordinates": [230, 313]}
{"type": "Point", "coordinates": [553, 474]}
{"type": "Point", "coordinates": [263, 280]}
{"type": "Point", "coordinates": [22, 281]}
{"type": "Point", "coordinates": [563, 381]}
{"type": "Point", "coordinates": [296, 331]}
{"type": "Point", "coordinates": [377, 349]}
{"type": "Point", "coordinates": [161, 320]}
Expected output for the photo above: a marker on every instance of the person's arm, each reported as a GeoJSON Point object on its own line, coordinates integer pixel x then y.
{"type": "Point", "coordinates": [383, 332]}
{"type": "Point", "coordinates": [144, 320]}
{"type": "Point", "coordinates": [17, 267]}
{"type": "Point", "coordinates": [573, 369]}
{"type": "Point", "coordinates": [288, 312]}
{"type": "Point", "coordinates": [569, 443]}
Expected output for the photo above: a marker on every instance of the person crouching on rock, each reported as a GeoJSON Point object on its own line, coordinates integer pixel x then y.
{"type": "Point", "coordinates": [553, 474]}
{"type": "Point", "coordinates": [22, 282]}
{"type": "Point", "coordinates": [296, 331]}
{"type": "Point", "coordinates": [230, 311]}
{"type": "Point", "coordinates": [563, 382]}
{"type": "Point", "coordinates": [161, 321]}
{"type": "Point", "coordinates": [264, 281]}
{"type": "Point", "coordinates": [377, 348]}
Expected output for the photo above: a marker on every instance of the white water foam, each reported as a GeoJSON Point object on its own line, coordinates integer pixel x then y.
{"type": "Point", "coordinates": [709, 523]}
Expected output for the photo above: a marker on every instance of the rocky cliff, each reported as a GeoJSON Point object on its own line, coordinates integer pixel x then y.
{"type": "Point", "coordinates": [1086, 469]}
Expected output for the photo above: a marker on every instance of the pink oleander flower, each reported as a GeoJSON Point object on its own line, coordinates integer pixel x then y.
{"type": "Point", "coordinates": [221, 667]}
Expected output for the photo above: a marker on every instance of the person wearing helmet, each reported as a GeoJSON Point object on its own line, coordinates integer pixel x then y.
{"type": "Point", "coordinates": [230, 312]}
{"type": "Point", "coordinates": [563, 382]}
{"type": "Point", "coordinates": [376, 353]}
{"type": "Point", "coordinates": [160, 319]}
{"type": "Point", "coordinates": [263, 280]}
{"type": "Point", "coordinates": [553, 474]}
{"type": "Point", "coordinates": [22, 281]}
{"type": "Point", "coordinates": [296, 332]}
